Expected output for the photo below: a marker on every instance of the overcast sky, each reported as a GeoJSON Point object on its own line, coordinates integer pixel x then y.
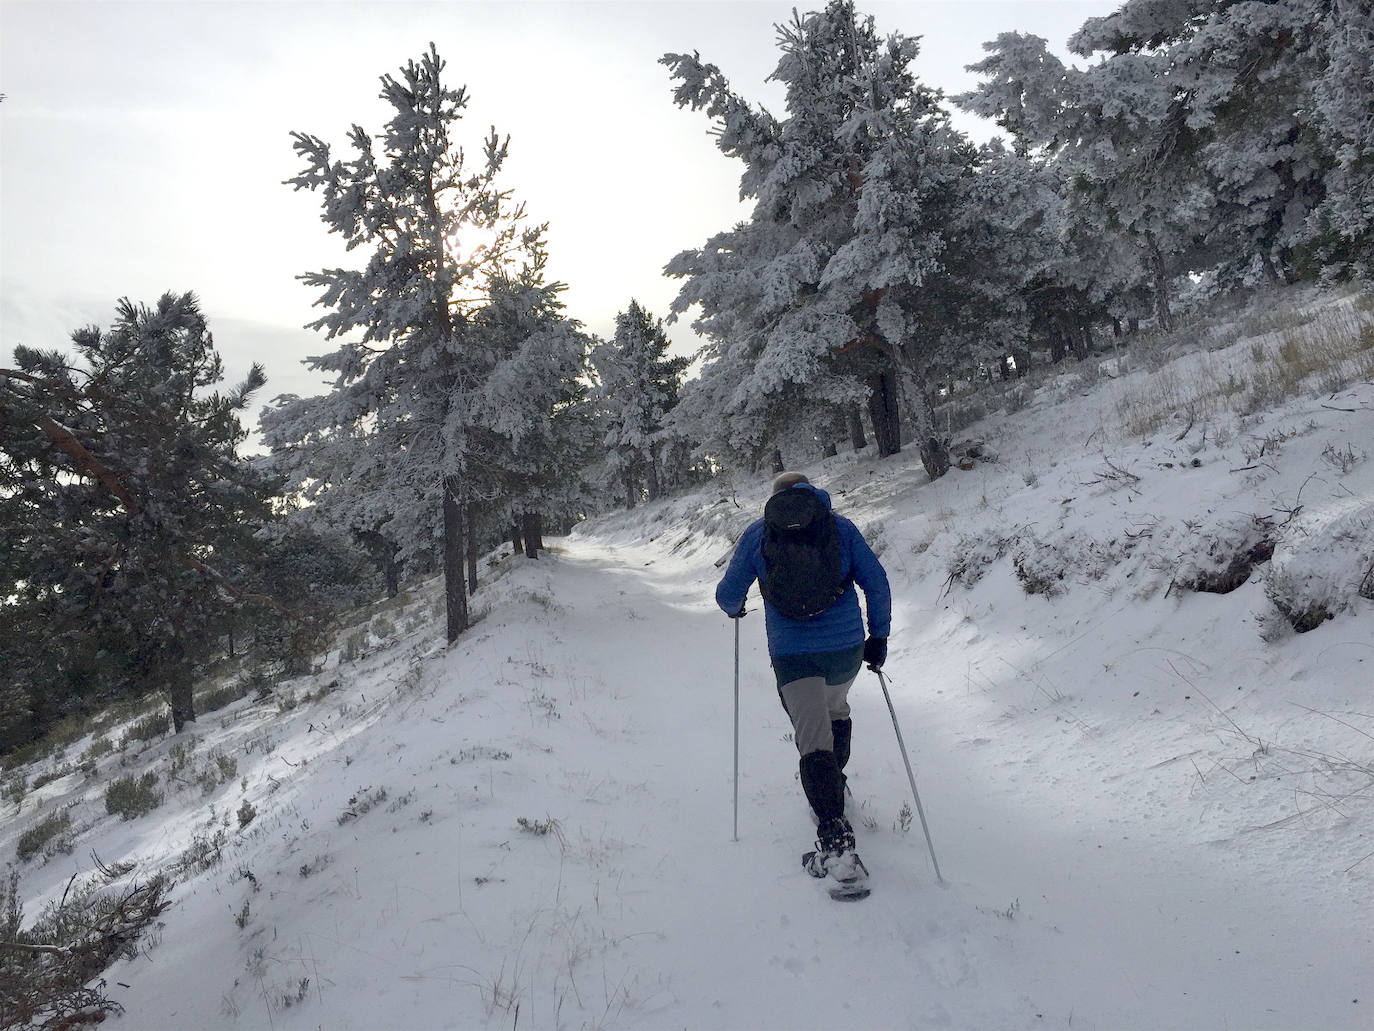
{"type": "Point", "coordinates": [143, 145]}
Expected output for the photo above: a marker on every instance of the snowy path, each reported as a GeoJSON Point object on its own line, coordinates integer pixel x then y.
{"type": "Point", "coordinates": [1091, 883]}
{"type": "Point", "coordinates": [1056, 912]}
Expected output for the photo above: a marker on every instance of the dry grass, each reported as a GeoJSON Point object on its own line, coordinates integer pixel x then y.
{"type": "Point", "coordinates": [1291, 354]}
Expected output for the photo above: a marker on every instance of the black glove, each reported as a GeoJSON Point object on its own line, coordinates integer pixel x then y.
{"type": "Point", "coordinates": [740, 613]}
{"type": "Point", "coordinates": [875, 652]}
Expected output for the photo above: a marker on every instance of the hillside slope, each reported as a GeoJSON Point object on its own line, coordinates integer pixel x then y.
{"type": "Point", "coordinates": [1151, 805]}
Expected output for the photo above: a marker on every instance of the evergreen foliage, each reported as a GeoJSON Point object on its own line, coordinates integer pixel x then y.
{"type": "Point", "coordinates": [127, 516]}
{"type": "Point", "coordinates": [810, 306]}
{"type": "Point", "coordinates": [1232, 139]}
{"type": "Point", "coordinates": [444, 400]}
{"type": "Point", "coordinates": [638, 386]}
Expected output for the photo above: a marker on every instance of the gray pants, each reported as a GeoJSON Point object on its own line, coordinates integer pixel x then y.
{"type": "Point", "coordinates": [812, 704]}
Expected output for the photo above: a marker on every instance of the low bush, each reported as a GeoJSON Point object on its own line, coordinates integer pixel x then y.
{"type": "Point", "coordinates": [50, 835]}
{"type": "Point", "coordinates": [56, 983]}
{"type": "Point", "coordinates": [150, 728]}
{"type": "Point", "coordinates": [131, 798]}
{"type": "Point", "coordinates": [218, 697]}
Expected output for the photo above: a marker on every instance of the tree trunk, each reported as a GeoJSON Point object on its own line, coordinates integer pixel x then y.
{"type": "Point", "coordinates": [884, 413]}
{"type": "Point", "coordinates": [472, 547]}
{"type": "Point", "coordinates": [1081, 336]}
{"type": "Point", "coordinates": [631, 489]}
{"type": "Point", "coordinates": [181, 686]}
{"type": "Point", "coordinates": [391, 569]}
{"type": "Point", "coordinates": [1057, 348]}
{"type": "Point", "coordinates": [455, 598]}
{"type": "Point", "coordinates": [934, 451]}
{"type": "Point", "coordinates": [533, 532]}
{"type": "Point", "coordinates": [778, 467]}
{"type": "Point", "coordinates": [517, 540]}
{"type": "Point", "coordinates": [651, 476]}
{"type": "Point", "coordinates": [1163, 315]}
{"type": "Point", "coordinates": [183, 702]}
{"type": "Point", "coordinates": [1271, 271]}
{"type": "Point", "coordinates": [856, 428]}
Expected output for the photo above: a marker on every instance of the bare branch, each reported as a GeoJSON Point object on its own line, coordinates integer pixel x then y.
{"type": "Point", "coordinates": [64, 439]}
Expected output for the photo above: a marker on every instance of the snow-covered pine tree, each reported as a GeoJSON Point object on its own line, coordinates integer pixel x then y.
{"type": "Point", "coordinates": [1119, 133]}
{"type": "Point", "coordinates": [804, 305]}
{"type": "Point", "coordinates": [1238, 78]}
{"type": "Point", "coordinates": [534, 432]}
{"type": "Point", "coordinates": [342, 479]}
{"type": "Point", "coordinates": [437, 231]}
{"type": "Point", "coordinates": [130, 516]}
{"type": "Point", "coordinates": [1039, 277]}
{"type": "Point", "coordinates": [638, 385]}
{"type": "Point", "coordinates": [1341, 230]}
{"type": "Point", "coordinates": [1227, 137]}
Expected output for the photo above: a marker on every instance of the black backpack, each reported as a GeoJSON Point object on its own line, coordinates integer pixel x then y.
{"type": "Point", "coordinates": [802, 558]}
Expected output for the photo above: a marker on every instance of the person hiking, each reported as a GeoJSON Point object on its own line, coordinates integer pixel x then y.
{"type": "Point", "coordinates": [807, 561]}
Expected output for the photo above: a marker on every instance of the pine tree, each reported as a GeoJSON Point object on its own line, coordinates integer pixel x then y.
{"type": "Point", "coordinates": [1236, 77]}
{"type": "Point", "coordinates": [437, 232]}
{"type": "Point", "coordinates": [537, 432]}
{"type": "Point", "coordinates": [134, 515]}
{"type": "Point", "coordinates": [1119, 136]}
{"type": "Point", "coordinates": [639, 386]}
{"type": "Point", "coordinates": [808, 305]}
{"type": "Point", "coordinates": [1340, 232]}
{"type": "Point", "coordinates": [1232, 138]}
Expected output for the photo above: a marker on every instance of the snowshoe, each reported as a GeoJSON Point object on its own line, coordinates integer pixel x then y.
{"type": "Point", "coordinates": [845, 871]}
{"type": "Point", "coordinates": [835, 858]}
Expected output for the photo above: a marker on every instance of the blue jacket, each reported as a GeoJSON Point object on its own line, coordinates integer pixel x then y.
{"type": "Point", "coordinates": [839, 627]}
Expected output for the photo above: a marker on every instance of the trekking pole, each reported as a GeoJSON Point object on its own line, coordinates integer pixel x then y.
{"type": "Point", "coordinates": [910, 776]}
{"type": "Point", "coordinates": [736, 837]}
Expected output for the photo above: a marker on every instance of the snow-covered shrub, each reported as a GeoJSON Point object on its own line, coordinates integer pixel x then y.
{"type": "Point", "coordinates": [1342, 459]}
{"type": "Point", "coordinates": [100, 746]}
{"type": "Point", "coordinates": [1322, 563]}
{"type": "Point", "coordinates": [204, 853]}
{"type": "Point", "coordinates": [48, 776]}
{"type": "Point", "coordinates": [131, 797]}
{"type": "Point", "coordinates": [85, 932]}
{"type": "Point", "coordinates": [1040, 566]}
{"type": "Point", "coordinates": [147, 729]}
{"type": "Point", "coordinates": [974, 553]}
{"type": "Point", "coordinates": [218, 697]}
{"type": "Point", "coordinates": [1048, 566]}
{"type": "Point", "coordinates": [50, 835]}
{"type": "Point", "coordinates": [1018, 398]}
{"type": "Point", "coordinates": [14, 786]}
{"type": "Point", "coordinates": [361, 803]}
{"type": "Point", "coordinates": [1219, 558]}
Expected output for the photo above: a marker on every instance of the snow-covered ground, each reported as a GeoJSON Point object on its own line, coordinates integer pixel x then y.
{"type": "Point", "coordinates": [1151, 806]}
